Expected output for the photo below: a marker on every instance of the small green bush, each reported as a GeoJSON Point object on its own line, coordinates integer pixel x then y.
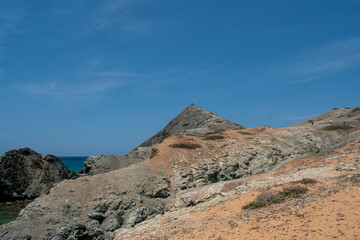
{"type": "Point", "coordinates": [185, 145]}
{"type": "Point", "coordinates": [336, 127]}
{"type": "Point", "coordinates": [185, 124]}
{"type": "Point", "coordinates": [214, 137]}
{"type": "Point", "coordinates": [268, 198]}
{"type": "Point", "coordinates": [335, 108]}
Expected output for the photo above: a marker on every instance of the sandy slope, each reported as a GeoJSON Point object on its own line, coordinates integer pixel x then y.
{"type": "Point", "coordinates": [328, 211]}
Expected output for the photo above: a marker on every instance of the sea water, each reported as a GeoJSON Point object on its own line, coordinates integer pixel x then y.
{"type": "Point", "coordinates": [74, 163]}
{"type": "Point", "coordinates": [10, 210]}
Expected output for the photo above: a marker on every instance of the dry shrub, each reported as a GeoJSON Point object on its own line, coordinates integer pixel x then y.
{"type": "Point", "coordinates": [355, 109]}
{"type": "Point", "coordinates": [154, 152]}
{"type": "Point", "coordinates": [214, 132]}
{"type": "Point", "coordinates": [307, 181]}
{"type": "Point", "coordinates": [214, 137]}
{"type": "Point", "coordinates": [268, 198]}
{"type": "Point", "coordinates": [353, 179]}
{"type": "Point", "coordinates": [185, 145]}
{"type": "Point", "coordinates": [336, 127]}
{"type": "Point", "coordinates": [245, 133]}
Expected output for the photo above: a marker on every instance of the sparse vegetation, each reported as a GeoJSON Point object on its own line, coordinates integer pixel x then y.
{"type": "Point", "coordinates": [185, 124]}
{"type": "Point", "coordinates": [355, 109]}
{"type": "Point", "coordinates": [347, 107]}
{"type": "Point", "coordinates": [336, 127]}
{"type": "Point", "coordinates": [268, 198]}
{"type": "Point", "coordinates": [335, 108]}
{"type": "Point", "coordinates": [245, 133]}
{"type": "Point", "coordinates": [294, 192]}
{"type": "Point", "coordinates": [240, 127]}
{"type": "Point", "coordinates": [154, 152]}
{"type": "Point", "coordinates": [353, 179]}
{"type": "Point", "coordinates": [185, 145]}
{"type": "Point", "coordinates": [307, 181]}
{"type": "Point", "coordinates": [215, 132]}
{"type": "Point", "coordinates": [214, 137]}
{"type": "Point", "coordinates": [263, 200]}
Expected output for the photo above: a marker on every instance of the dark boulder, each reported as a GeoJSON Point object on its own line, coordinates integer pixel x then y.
{"type": "Point", "coordinates": [25, 174]}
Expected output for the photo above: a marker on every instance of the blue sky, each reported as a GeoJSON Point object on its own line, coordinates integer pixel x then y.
{"type": "Point", "coordinates": [89, 77]}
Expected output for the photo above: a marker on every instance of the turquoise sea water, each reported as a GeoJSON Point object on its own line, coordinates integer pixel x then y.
{"type": "Point", "coordinates": [10, 210]}
{"type": "Point", "coordinates": [8, 214]}
{"type": "Point", "coordinates": [74, 163]}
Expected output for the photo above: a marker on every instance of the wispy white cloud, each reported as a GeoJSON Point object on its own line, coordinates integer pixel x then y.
{"type": "Point", "coordinates": [112, 74]}
{"type": "Point", "coordinates": [119, 13]}
{"type": "Point", "coordinates": [10, 16]}
{"type": "Point", "coordinates": [321, 62]}
{"type": "Point", "coordinates": [151, 84]}
{"type": "Point", "coordinates": [70, 91]}
{"type": "Point", "coordinates": [111, 6]}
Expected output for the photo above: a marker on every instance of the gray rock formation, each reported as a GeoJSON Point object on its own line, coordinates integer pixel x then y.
{"type": "Point", "coordinates": [25, 174]}
{"type": "Point", "coordinates": [106, 163]}
{"type": "Point", "coordinates": [191, 120]}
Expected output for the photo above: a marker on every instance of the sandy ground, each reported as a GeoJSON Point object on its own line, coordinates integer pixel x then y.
{"type": "Point", "coordinates": [329, 210]}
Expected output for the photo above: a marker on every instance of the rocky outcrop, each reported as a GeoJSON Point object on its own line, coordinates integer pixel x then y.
{"type": "Point", "coordinates": [106, 163]}
{"type": "Point", "coordinates": [26, 174]}
{"type": "Point", "coordinates": [192, 120]}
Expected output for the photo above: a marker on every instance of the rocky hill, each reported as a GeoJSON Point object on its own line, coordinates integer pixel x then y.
{"type": "Point", "coordinates": [305, 198]}
{"type": "Point", "coordinates": [26, 174]}
{"type": "Point", "coordinates": [192, 120]}
{"type": "Point", "coordinates": [194, 181]}
{"type": "Point", "coordinates": [340, 116]}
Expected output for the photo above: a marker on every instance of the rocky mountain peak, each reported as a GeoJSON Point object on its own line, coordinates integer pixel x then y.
{"type": "Point", "coordinates": [192, 118]}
